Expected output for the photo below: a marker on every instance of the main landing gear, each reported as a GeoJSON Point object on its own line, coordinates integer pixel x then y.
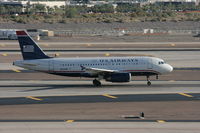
{"type": "Point", "coordinates": [148, 81]}
{"type": "Point", "coordinates": [96, 82]}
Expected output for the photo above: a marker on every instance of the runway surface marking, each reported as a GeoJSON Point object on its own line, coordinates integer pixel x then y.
{"type": "Point", "coordinates": [107, 95]}
{"type": "Point", "coordinates": [15, 70]}
{"type": "Point", "coordinates": [97, 98]}
{"type": "Point", "coordinates": [161, 121]}
{"type": "Point", "coordinates": [89, 45]}
{"type": "Point", "coordinates": [34, 98]}
{"type": "Point", "coordinates": [46, 45]}
{"type": "Point", "coordinates": [172, 44]}
{"type": "Point", "coordinates": [184, 94]}
{"type": "Point", "coordinates": [107, 54]}
{"type": "Point", "coordinates": [4, 54]}
{"type": "Point", "coordinates": [2, 45]}
{"type": "Point", "coordinates": [32, 80]}
{"type": "Point", "coordinates": [57, 54]}
{"type": "Point", "coordinates": [95, 120]}
{"type": "Point", "coordinates": [69, 121]}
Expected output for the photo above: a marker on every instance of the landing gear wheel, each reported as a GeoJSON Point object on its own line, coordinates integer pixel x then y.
{"type": "Point", "coordinates": [96, 83]}
{"type": "Point", "coordinates": [149, 83]}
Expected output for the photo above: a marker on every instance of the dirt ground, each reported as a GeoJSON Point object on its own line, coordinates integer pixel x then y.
{"type": "Point", "coordinates": [185, 25]}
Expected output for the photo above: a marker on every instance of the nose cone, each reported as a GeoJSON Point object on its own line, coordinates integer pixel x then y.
{"type": "Point", "coordinates": [167, 69]}
{"type": "Point", "coordinates": [171, 69]}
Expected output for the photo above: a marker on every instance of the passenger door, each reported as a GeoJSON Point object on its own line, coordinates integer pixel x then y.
{"type": "Point", "coordinates": [51, 65]}
{"type": "Point", "coordinates": [150, 64]}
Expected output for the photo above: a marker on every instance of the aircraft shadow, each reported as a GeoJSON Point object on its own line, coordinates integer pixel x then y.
{"type": "Point", "coordinates": [39, 87]}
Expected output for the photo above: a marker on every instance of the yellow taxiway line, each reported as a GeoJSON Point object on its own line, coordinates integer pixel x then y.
{"type": "Point", "coordinates": [107, 95]}
{"type": "Point", "coordinates": [184, 94]}
{"type": "Point", "coordinates": [4, 54]}
{"type": "Point", "coordinates": [161, 121]}
{"type": "Point", "coordinates": [69, 121]}
{"type": "Point", "coordinates": [34, 98]}
{"type": "Point", "coordinates": [46, 45]}
{"type": "Point", "coordinates": [2, 45]}
{"type": "Point", "coordinates": [172, 44]}
{"type": "Point", "coordinates": [89, 45]}
{"type": "Point", "coordinates": [15, 70]}
{"type": "Point", "coordinates": [107, 54]}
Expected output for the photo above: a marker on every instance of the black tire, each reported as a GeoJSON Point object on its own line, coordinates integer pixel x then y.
{"type": "Point", "coordinates": [96, 83]}
{"type": "Point", "coordinates": [148, 83]}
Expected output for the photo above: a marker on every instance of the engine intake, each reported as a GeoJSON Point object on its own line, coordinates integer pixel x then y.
{"type": "Point", "coordinates": [118, 77]}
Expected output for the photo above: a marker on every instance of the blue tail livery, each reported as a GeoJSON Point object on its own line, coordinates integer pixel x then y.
{"type": "Point", "coordinates": [29, 48]}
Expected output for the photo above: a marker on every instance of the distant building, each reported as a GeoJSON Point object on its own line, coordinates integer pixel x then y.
{"type": "Point", "coordinates": [91, 3]}
{"type": "Point", "coordinates": [12, 3]}
{"type": "Point", "coordinates": [171, 1]}
{"type": "Point", "coordinates": [50, 3]}
{"type": "Point", "coordinates": [25, 3]}
{"type": "Point", "coordinates": [197, 2]}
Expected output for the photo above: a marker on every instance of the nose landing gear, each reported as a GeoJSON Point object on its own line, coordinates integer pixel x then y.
{"type": "Point", "coordinates": [148, 81]}
{"type": "Point", "coordinates": [96, 83]}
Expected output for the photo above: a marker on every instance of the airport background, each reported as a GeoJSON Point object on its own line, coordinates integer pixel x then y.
{"type": "Point", "coordinates": [100, 18]}
{"type": "Point", "coordinates": [100, 11]}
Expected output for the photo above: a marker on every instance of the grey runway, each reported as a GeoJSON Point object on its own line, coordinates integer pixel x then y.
{"type": "Point", "coordinates": [114, 50]}
{"type": "Point", "coordinates": [98, 120]}
{"type": "Point", "coordinates": [67, 87]}
{"type": "Point", "coordinates": [58, 102]}
{"type": "Point", "coordinates": [99, 127]}
{"type": "Point", "coordinates": [99, 98]}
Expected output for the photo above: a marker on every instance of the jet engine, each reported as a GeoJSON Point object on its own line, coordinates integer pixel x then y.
{"type": "Point", "coordinates": [118, 77]}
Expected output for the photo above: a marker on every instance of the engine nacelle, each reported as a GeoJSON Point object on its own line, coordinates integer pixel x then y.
{"type": "Point", "coordinates": [118, 77]}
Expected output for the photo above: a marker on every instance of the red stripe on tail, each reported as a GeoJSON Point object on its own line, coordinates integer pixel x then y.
{"type": "Point", "coordinates": [22, 33]}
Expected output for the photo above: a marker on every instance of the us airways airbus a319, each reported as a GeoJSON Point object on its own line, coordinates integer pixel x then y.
{"type": "Point", "coordinates": [111, 69]}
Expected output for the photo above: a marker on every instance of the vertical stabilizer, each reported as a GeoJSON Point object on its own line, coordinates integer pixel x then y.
{"type": "Point", "coordinates": [29, 48]}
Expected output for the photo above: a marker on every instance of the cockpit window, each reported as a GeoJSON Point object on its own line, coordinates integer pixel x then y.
{"type": "Point", "coordinates": [161, 62]}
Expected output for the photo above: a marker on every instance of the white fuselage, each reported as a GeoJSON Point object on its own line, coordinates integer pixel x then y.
{"type": "Point", "coordinates": [72, 66]}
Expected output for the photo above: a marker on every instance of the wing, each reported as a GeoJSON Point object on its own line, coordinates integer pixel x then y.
{"type": "Point", "coordinates": [98, 71]}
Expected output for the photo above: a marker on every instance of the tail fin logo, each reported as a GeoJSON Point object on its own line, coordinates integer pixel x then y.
{"type": "Point", "coordinates": [28, 48]}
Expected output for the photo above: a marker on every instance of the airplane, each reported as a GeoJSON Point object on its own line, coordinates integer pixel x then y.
{"type": "Point", "coordinates": [110, 69]}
